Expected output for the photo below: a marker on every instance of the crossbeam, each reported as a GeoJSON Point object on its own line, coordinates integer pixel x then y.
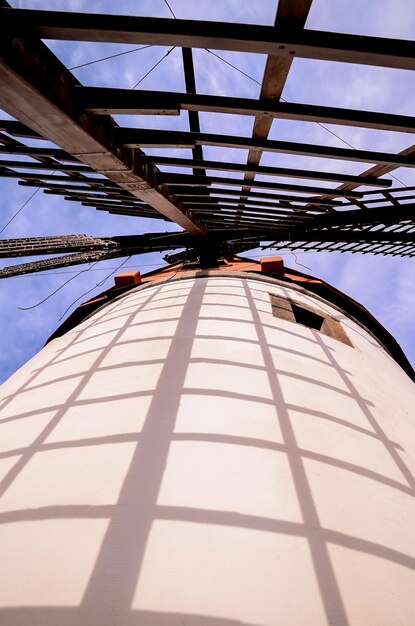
{"type": "Point", "coordinates": [269, 171]}
{"type": "Point", "coordinates": [201, 193]}
{"type": "Point", "coordinates": [188, 179]}
{"type": "Point", "coordinates": [105, 100]}
{"type": "Point", "coordinates": [278, 41]}
{"type": "Point", "coordinates": [146, 138]}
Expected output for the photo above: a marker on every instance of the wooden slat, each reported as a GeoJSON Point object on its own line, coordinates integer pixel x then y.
{"type": "Point", "coordinates": [285, 42]}
{"type": "Point", "coordinates": [34, 151]}
{"type": "Point", "coordinates": [190, 81]}
{"type": "Point", "coordinates": [260, 205]}
{"type": "Point", "coordinates": [105, 100]}
{"type": "Point", "coordinates": [292, 15]}
{"type": "Point", "coordinates": [380, 169]}
{"type": "Point", "coordinates": [178, 139]}
{"type": "Point", "coordinates": [203, 193]}
{"type": "Point", "coordinates": [62, 167]}
{"type": "Point", "coordinates": [352, 236]}
{"type": "Point", "coordinates": [376, 215]}
{"type": "Point", "coordinates": [277, 68]}
{"type": "Point", "coordinates": [268, 171]}
{"type": "Point", "coordinates": [195, 181]}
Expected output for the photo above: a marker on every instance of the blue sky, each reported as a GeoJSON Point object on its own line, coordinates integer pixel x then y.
{"type": "Point", "coordinates": [385, 285]}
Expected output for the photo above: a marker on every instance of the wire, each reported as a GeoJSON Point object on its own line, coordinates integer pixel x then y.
{"type": "Point", "coordinates": [234, 66]}
{"type": "Point", "coordinates": [298, 263]}
{"type": "Point", "coordinates": [27, 308]}
{"type": "Point", "coordinates": [283, 100]}
{"type": "Point", "coordinates": [171, 10]}
{"type": "Point", "coordinates": [112, 56]}
{"type": "Point", "coordinates": [154, 67]}
{"type": "Point", "coordinates": [23, 205]}
{"type": "Point", "coordinates": [95, 286]}
{"type": "Point", "coordinates": [20, 209]}
{"type": "Point", "coordinates": [179, 269]}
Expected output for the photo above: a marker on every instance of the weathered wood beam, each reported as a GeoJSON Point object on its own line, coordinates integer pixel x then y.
{"type": "Point", "coordinates": [270, 213]}
{"type": "Point", "coordinates": [41, 176]}
{"type": "Point", "coordinates": [381, 169]}
{"type": "Point", "coordinates": [201, 181]}
{"type": "Point", "coordinates": [108, 100]}
{"type": "Point", "coordinates": [280, 41]}
{"type": "Point", "coordinates": [282, 225]}
{"type": "Point", "coordinates": [262, 205]}
{"type": "Point", "coordinates": [190, 81]}
{"type": "Point", "coordinates": [273, 230]}
{"type": "Point", "coordinates": [213, 192]}
{"type": "Point", "coordinates": [78, 185]}
{"type": "Point", "coordinates": [37, 88]}
{"type": "Point", "coordinates": [30, 165]}
{"type": "Point", "coordinates": [17, 129]}
{"type": "Point", "coordinates": [291, 15]}
{"type": "Point", "coordinates": [267, 171]}
{"type": "Point", "coordinates": [34, 151]}
{"type": "Point", "coordinates": [178, 139]}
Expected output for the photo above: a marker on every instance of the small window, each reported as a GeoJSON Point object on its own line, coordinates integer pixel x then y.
{"type": "Point", "coordinates": [307, 317]}
{"type": "Point", "coordinates": [285, 309]}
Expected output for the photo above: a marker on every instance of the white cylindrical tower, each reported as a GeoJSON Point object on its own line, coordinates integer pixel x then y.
{"type": "Point", "coordinates": [217, 448]}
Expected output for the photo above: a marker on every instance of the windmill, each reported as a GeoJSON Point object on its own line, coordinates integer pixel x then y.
{"type": "Point", "coordinates": [204, 415]}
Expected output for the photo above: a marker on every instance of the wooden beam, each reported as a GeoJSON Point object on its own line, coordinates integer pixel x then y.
{"type": "Point", "coordinates": [41, 176]}
{"type": "Point", "coordinates": [291, 15]}
{"type": "Point", "coordinates": [107, 100]}
{"type": "Point", "coordinates": [213, 192]}
{"type": "Point", "coordinates": [34, 151]}
{"type": "Point", "coordinates": [37, 89]}
{"type": "Point", "coordinates": [281, 41]}
{"type": "Point", "coordinates": [277, 212]}
{"type": "Point", "coordinates": [380, 169]}
{"type": "Point", "coordinates": [268, 171]}
{"type": "Point", "coordinates": [178, 139]}
{"type": "Point", "coordinates": [53, 165]}
{"type": "Point", "coordinates": [17, 129]}
{"type": "Point", "coordinates": [69, 184]}
{"type": "Point", "coordinates": [190, 81]}
{"type": "Point", "coordinates": [261, 204]}
{"type": "Point", "coordinates": [201, 181]}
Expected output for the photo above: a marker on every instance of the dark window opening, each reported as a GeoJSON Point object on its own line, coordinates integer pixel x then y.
{"type": "Point", "coordinates": [307, 317]}
{"type": "Point", "coordinates": [285, 309]}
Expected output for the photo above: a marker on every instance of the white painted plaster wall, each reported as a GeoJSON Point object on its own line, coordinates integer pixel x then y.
{"type": "Point", "coordinates": [185, 458]}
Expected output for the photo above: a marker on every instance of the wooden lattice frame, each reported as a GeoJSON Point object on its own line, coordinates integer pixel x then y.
{"type": "Point", "coordinates": [49, 103]}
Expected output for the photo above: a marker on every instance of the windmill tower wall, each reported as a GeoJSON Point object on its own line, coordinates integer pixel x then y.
{"type": "Point", "coordinates": [194, 453]}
